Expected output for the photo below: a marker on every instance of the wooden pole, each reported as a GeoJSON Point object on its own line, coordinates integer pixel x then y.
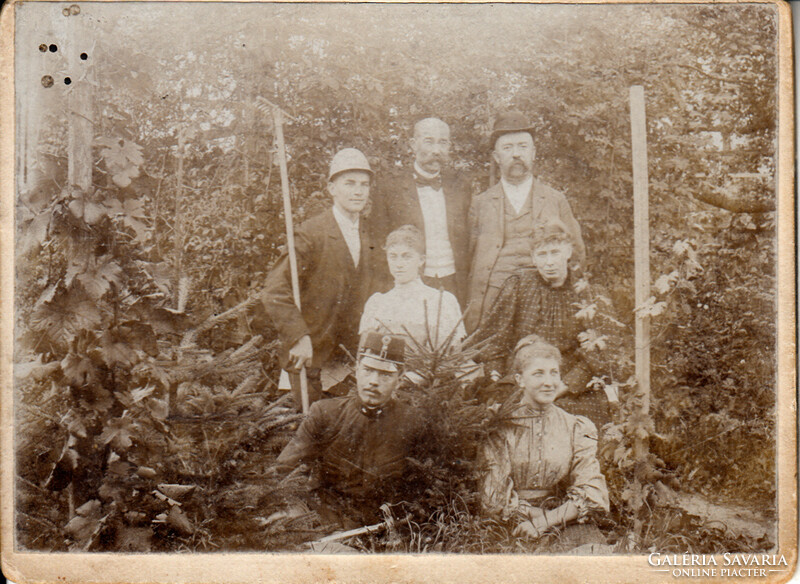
{"type": "Point", "coordinates": [178, 225]}
{"type": "Point", "coordinates": [277, 117]}
{"type": "Point", "coordinates": [79, 101]}
{"type": "Point", "coordinates": [80, 133]}
{"type": "Point", "coordinates": [641, 246]}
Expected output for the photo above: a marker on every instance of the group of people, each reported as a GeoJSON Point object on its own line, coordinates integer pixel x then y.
{"type": "Point", "coordinates": [410, 261]}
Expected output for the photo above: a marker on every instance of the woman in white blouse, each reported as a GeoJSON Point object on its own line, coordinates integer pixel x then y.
{"type": "Point", "coordinates": [428, 316]}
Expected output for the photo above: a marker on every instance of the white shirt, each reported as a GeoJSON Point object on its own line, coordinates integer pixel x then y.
{"type": "Point", "coordinates": [517, 194]}
{"type": "Point", "coordinates": [405, 309]}
{"type": "Point", "coordinates": [439, 259]}
{"type": "Point", "coordinates": [350, 232]}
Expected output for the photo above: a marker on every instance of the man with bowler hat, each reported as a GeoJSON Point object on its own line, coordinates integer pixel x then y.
{"type": "Point", "coordinates": [335, 266]}
{"type": "Point", "coordinates": [502, 218]}
{"type": "Point", "coordinates": [356, 446]}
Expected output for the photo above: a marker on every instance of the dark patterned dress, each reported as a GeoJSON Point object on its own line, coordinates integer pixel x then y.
{"type": "Point", "coordinates": [528, 305]}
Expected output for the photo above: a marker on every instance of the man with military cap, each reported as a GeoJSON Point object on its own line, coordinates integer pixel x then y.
{"type": "Point", "coordinates": [335, 266]}
{"type": "Point", "coordinates": [502, 218]}
{"type": "Point", "coordinates": [357, 445]}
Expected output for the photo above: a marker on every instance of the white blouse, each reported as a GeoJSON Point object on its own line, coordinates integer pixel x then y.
{"type": "Point", "coordinates": [403, 311]}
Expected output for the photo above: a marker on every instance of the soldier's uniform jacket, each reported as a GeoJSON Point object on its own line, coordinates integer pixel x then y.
{"type": "Point", "coordinates": [355, 451]}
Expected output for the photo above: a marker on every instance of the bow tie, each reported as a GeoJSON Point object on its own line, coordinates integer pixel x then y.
{"type": "Point", "coordinates": [434, 182]}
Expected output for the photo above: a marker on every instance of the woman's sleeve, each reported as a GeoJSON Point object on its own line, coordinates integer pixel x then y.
{"type": "Point", "coordinates": [368, 318]}
{"type": "Point", "coordinates": [451, 318]}
{"type": "Point", "coordinates": [497, 325]}
{"type": "Point", "coordinates": [587, 488]}
{"type": "Point", "coordinates": [498, 497]}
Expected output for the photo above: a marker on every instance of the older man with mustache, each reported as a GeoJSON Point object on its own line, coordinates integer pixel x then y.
{"type": "Point", "coordinates": [502, 219]}
{"type": "Point", "coordinates": [436, 201]}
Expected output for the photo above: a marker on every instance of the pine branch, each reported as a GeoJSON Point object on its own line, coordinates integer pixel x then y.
{"type": "Point", "coordinates": [190, 337]}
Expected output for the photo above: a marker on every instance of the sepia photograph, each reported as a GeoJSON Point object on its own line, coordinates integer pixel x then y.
{"type": "Point", "coordinates": [391, 292]}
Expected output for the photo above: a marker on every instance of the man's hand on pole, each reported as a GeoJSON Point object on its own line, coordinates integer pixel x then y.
{"type": "Point", "coordinates": [301, 353]}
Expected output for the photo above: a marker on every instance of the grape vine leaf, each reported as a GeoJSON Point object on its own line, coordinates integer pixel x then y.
{"type": "Point", "coordinates": [118, 432]}
{"type": "Point", "coordinates": [98, 276]}
{"type": "Point", "coordinates": [116, 352]}
{"type": "Point", "coordinates": [123, 159]}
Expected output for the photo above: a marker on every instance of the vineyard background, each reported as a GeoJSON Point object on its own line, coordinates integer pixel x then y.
{"type": "Point", "coordinates": [145, 381]}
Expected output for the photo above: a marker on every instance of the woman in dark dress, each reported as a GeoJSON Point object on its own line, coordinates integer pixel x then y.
{"type": "Point", "coordinates": [546, 301]}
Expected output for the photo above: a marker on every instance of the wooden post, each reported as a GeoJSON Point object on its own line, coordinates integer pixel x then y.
{"type": "Point", "coordinates": [641, 246]}
{"type": "Point", "coordinates": [277, 117]}
{"type": "Point", "coordinates": [178, 225]}
{"type": "Point", "coordinates": [79, 103]}
{"type": "Point", "coordinates": [80, 133]}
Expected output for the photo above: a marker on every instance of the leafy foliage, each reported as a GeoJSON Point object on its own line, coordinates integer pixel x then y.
{"type": "Point", "coordinates": [145, 374]}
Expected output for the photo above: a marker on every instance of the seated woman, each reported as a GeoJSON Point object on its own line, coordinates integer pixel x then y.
{"type": "Point", "coordinates": [542, 450]}
{"type": "Point", "coordinates": [428, 316]}
{"type": "Point", "coordinates": [544, 301]}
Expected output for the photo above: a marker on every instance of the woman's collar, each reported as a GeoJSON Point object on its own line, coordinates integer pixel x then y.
{"type": "Point", "coordinates": [565, 285]}
{"type": "Point", "coordinates": [537, 411]}
{"type": "Point", "coordinates": [415, 283]}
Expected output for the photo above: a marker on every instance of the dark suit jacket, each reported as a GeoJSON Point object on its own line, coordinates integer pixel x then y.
{"type": "Point", "coordinates": [396, 203]}
{"type": "Point", "coordinates": [332, 290]}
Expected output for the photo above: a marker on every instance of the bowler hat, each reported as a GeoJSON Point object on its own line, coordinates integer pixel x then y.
{"type": "Point", "coordinates": [384, 352]}
{"type": "Point", "coordinates": [348, 159]}
{"type": "Point", "coordinates": [509, 123]}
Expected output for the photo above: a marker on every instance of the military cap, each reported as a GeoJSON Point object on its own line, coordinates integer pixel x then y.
{"type": "Point", "coordinates": [382, 351]}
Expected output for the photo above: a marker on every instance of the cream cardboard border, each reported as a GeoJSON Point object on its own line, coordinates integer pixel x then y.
{"type": "Point", "coordinates": [373, 569]}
